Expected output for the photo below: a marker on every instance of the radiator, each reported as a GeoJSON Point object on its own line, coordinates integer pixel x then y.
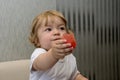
{"type": "Point", "coordinates": [96, 25]}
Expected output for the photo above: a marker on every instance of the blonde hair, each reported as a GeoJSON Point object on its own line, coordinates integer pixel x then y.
{"type": "Point", "coordinates": [42, 19]}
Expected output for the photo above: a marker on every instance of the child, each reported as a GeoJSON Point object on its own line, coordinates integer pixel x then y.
{"type": "Point", "coordinates": [52, 59]}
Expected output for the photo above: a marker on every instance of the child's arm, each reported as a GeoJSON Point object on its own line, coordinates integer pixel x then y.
{"type": "Point", "coordinates": [46, 60]}
{"type": "Point", "coordinates": [80, 77]}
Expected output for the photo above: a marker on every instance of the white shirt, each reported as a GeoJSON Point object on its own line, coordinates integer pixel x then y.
{"type": "Point", "coordinates": [64, 69]}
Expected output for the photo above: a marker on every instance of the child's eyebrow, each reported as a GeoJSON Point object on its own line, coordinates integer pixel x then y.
{"type": "Point", "coordinates": [48, 25]}
{"type": "Point", "coordinates": [61, 24]}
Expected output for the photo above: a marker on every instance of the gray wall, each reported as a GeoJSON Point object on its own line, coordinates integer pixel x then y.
{"type": "Point", "coordinates": [96, 24]}
{"type": "Point", "coordinates": [15, 20]}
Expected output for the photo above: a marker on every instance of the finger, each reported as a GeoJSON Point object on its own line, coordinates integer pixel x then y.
{"type": "Point", "coordinates": [63, 46]}
{"type": "Point", "coordinates": [66, 50]}
{"type": "Point", "coordinates": [60, 41]}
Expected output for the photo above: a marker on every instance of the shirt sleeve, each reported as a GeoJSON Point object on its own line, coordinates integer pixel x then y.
{"type": "Point", "coordinates": [35, 54]}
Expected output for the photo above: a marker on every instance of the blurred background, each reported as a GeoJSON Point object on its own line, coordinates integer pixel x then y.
{"type": "Point", "coordinates": [15, 23]}
{"type": "Point", "coordinates": [96, 24]}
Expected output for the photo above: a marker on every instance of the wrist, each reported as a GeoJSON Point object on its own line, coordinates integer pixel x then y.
{"type": "Point", "coordinates": [53, 55]}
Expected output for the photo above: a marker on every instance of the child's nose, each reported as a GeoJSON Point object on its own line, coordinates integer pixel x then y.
{"type": "Point", "coordinates": [56, 32]}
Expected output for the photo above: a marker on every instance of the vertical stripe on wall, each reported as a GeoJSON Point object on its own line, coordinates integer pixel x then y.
{"type": "Point", "coordinates": [96, 24]}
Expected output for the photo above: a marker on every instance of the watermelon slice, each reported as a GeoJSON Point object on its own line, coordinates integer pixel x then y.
{"type": "Point", "coordinates": [70, 39]}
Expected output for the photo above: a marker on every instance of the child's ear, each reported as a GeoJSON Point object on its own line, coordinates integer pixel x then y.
{"type": "Point", "coordinates": [38, 44]}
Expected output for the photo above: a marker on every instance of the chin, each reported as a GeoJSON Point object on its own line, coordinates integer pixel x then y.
{"type": "Point", "coordinates": [46, 49]}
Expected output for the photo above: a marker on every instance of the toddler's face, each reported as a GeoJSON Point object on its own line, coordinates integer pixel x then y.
{"type": "Point", "coordinates": [47, 33]}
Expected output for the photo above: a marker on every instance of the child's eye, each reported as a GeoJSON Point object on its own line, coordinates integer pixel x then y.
{"type": "Point", "coordinates": [48, 29]}
{"type": "Point", "coordinates": [62, 28]}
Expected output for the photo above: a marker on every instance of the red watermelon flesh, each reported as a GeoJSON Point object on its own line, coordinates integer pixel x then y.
{"type": "Point", "coordinates": [70, 39]}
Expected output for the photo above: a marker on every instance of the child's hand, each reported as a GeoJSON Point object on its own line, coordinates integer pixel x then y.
{"type": "Point", "coordinates": [60, 47]}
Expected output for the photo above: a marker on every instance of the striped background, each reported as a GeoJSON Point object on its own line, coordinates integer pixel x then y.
{"type": "Point", "coordinates": [96, 24]}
